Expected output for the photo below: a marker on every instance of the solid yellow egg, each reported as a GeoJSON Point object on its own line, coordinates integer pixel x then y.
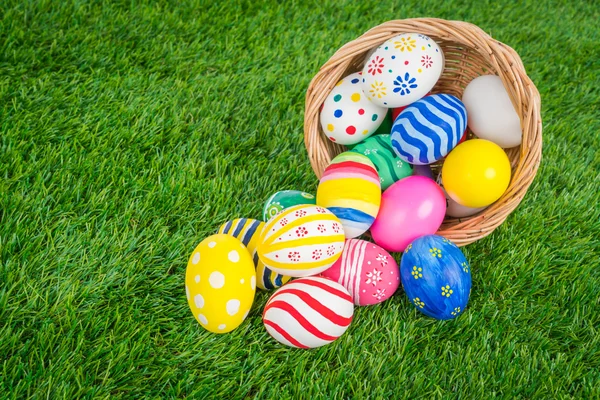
{"type": "Point", "coordinates": [476, 173]}
{"type": "Point", "coordinates": [220, 282]}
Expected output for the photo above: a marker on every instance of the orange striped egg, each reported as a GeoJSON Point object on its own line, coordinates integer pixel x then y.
{"type": "Point", "coordinates": [308, 312]}
{"type": "Point", "coordinates": [350, 188]}
{"type": "Point", "coordinates": [301, 241]}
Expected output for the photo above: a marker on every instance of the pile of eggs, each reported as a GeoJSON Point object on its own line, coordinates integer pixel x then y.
{"type": "Point", "coordinates": [312, 251]}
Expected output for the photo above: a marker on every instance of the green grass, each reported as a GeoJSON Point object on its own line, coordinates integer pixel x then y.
{"type": "Point", "coordinates": [129, 132]}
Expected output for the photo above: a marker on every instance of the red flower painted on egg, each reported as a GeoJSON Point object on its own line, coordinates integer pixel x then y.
{"type": "Point", "coordinates": [426, 61]}
{"type": "Point", "coordinates": [330, 250]}
{"type": "Point", "coordinates": [336, 227]}
{"type": "Point", "coordinates": [294, 256]}
{"type": "Point", "coordinates": [301, 232]}
{"type": "Point", "coordinates": [316, 255]}
{"type": "Point", "coordinates": [375, 66]}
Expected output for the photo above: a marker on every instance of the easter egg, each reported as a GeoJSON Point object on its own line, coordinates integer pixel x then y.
{"type": "Point", "coordinates": [220, 282]}
{"type": "Point", "coordinates": [301, 241]}
{"type": "Point", "coordinates": [347, 115]}
{"type": "Point", "coordinates": [396, 111]}
{"type": "Point", "coordinates": [351, 190]}
{"type": "Point", "coordinates": [368, 272]}
{"type": "Point", "coordinates": [412, 207]}
{"type": "Point", "coordinates": [285, 199]}
{"type": "Point", "coordinates": [386, 125]}
{"type": "Point", "coordinates": [476, 173]}
{"type": "Point", "coordinates": [402, 70]}
{"type": "Point", "coordinates": [491, 113]}
{"type": "Point", "coordinates": [248, 231]}
{"type": "Point", "coordinates": [429, 128]}
{"type": "Point", "coordinates": [308, 312]}
{"type": "Point", "coordinates": [422, 170]}
{"type": "Point", "coordinates": [436, 277]}
{"type": "Point", "coordinates": [389, 166]}
{"type": "Point", "coordinates": [454, 209]}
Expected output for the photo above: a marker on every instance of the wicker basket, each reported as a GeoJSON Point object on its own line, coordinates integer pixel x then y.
{"type": "Point", "coordinates": [469, 52]}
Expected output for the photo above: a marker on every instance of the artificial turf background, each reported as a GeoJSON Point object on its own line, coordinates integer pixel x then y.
{"type": "Point", "coordinates": [129, 132]}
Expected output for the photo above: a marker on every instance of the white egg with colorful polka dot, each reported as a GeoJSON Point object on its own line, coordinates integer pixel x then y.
{"type": "Point", "coordinates": [220, 282]}
{"type": "Point", "coordinates": [402, 70]}
{"type": "Point", "coordinates": [347, 116]}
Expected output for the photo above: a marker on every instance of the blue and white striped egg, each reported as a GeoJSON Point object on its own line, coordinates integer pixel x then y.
{"type": "Point", "coordinates": [429, 128]}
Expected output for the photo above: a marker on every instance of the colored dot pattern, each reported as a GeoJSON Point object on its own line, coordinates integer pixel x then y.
{"type": "Point", "coordinates": [344, 105]}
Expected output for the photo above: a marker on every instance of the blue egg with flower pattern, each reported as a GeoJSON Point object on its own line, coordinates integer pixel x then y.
{"type": "Point", "coordinates": [436, 277]}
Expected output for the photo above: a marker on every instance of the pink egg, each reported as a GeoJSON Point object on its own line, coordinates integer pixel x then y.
{"type": "Point", "coordinates": [368, 272]}
{"type": "Point", "coordinates": [412, 207]}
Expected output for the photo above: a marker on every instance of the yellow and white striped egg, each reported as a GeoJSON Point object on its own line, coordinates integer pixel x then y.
{"type": "Point", "coordinates": [301, 241]}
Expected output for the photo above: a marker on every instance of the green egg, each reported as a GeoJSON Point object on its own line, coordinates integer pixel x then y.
{"type": "Point", "coordinates": [389, 166]}
{"type": "Point", "coordinates": [286, 199]}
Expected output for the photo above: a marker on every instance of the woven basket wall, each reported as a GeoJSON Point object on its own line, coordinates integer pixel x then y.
{"type": "Point", "coordinates": [469, 52]}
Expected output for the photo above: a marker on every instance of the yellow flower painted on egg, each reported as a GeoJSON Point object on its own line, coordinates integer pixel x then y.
{"type": "Point", "coordinates": [417, 302]}
{"type": "Point", "coordinates": [446, 291]}
{"type": "Point", "coordinates": [435, 252]}
{"type": "Point", "coordinates": [416, 272]}
{"type": "Point", "coordinates": [465, 267]}
{"type": "Point", "coordinates": [378, 90]}
{"type": "Point", "coordinates": [407, 44]}
{"type": "Point", "coordinates": [408, 248]}
{"type": "Point", "coordinates": [456, 311]}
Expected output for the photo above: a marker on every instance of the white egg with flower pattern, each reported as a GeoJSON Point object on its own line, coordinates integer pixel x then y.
{"type": "Point", "coordinates": [402, 70]}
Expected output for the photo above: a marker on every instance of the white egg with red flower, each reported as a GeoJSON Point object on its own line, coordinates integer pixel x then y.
{"type": "Point", "coordinates": [402, 70]}
{"type": "Point", "coordinates": [347, 116]}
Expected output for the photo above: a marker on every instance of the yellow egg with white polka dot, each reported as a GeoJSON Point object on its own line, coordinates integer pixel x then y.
{"type": "Point", "coordinates": [220, 282]}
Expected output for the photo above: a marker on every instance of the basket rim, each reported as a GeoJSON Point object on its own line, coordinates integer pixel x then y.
{"type": "Point", "coordinates": [503, 62]}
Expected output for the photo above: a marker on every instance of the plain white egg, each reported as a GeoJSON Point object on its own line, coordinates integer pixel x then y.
{"type": "Point", "coordinates": [490, 112]}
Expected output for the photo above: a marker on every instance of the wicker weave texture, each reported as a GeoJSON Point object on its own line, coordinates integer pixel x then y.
{"type": "Point", "coordinates": [469, 52]}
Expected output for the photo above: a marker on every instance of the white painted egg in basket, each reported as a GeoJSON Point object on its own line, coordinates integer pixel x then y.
{"type": "Point", "coordinates": [347, 116]}
{"type": "Point", "coordinates": [402, 70]}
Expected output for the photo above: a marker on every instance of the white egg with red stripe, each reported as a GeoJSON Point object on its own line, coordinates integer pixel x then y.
{"type": "Point", "coordinates": [308, 312]}
{"type": "Point", "coordinates": [301, 241]}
